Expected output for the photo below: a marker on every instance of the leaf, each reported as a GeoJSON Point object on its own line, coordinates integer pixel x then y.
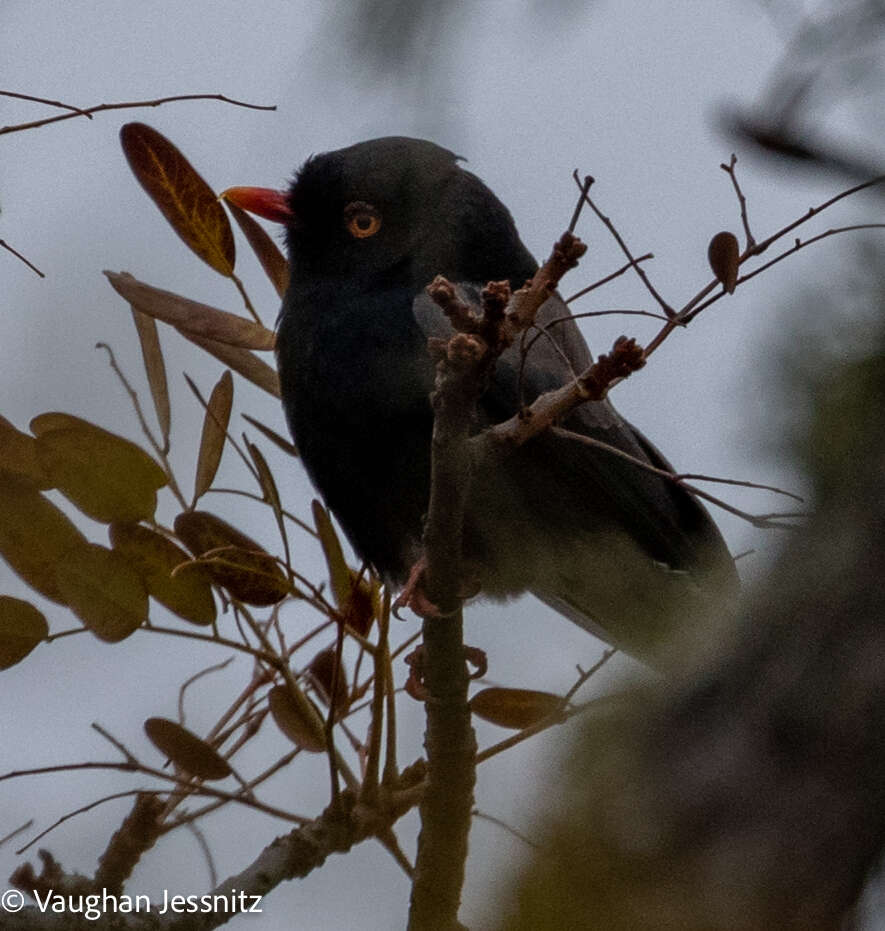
{"type": "Point", "coordinates": [514, 708]}
{"type": "Point", "coordinates": [241, 360]}
{"type": "Point", "coordinates": [22, 627]}
{"type": "Point", "coordinates": [103, 590]}
{"type": "Point", "coordinates": [322, 671]}
{"type": "Point", "coordinates": [188, 593]}
{"type": "Point", "coordinates": [234, 561]}
{"type": "Point", "coordinates": [107, 477]}
{"type": "Point", "coordinates": [358, 599]}
{"type": "Point", "coordinates": [215, 423]}
{"type": "Point", "coordinates": [339, 571]}
{"type": "Point", "coordinates": [272, 261]}
{"type": "Point", "coordinates": [191, 317]}
{"type": "Point", "coordinates": [34, 534]}
{"type": "Point", "coordinates": [723, 255]}
{"type": "Point", "coordinates": [187, 751]}
{"type": "Point", "coordinates": [18, 454]}
{"type": "Point", "coordinates": [273, 436]}
{"type": "Point", "coordinates": [155, 368]}
{"type": "Point", "coordinates": [182, 195]}
{"type": "Point", "coordinates": [298, 719]}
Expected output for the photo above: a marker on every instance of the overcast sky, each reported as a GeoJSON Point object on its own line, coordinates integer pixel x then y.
{"type": "Point", "coordinates": [626, 91]}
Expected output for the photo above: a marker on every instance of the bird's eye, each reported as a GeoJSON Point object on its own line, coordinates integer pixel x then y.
{"type": "Point", "coordinates": [361, 219]}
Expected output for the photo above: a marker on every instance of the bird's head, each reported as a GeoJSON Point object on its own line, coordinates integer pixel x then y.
{"type": "Point", "coordinates": [389, 205]}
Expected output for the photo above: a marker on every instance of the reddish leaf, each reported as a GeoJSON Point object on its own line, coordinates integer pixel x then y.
{"type": "Point", "coordinates": [516, 708]}
{"type": "Point", "coordinates": [322, 670]}
{"type": "Point", "coordinates": [234, 561]}
{"type": "Point", "coordinates": [182, 195]}
{"type": "Point", "coordinates": [272, 261]}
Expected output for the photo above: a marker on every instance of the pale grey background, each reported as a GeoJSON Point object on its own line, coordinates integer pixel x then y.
{"type": "Point", "coordinates": [625, 91]}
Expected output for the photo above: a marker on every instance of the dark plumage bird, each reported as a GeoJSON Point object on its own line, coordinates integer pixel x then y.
{"type": "Point", "coordinates": [617, 549]}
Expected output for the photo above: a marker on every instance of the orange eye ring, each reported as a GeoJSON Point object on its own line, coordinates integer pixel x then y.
{"type": "Point", "coordinates": [361, 219]}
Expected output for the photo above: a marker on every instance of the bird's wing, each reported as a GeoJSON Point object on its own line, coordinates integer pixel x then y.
{"type": "Point", "coordinates": [667, 522]}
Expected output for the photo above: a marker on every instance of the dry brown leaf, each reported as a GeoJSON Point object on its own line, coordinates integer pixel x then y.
{"type": "Point", "coordinates": [184, 198]}
{"type": "Point", "coordinates": [298, 719]}
{"type": "Point", "coordinates": [235, 561]}
{"type": "Point", "coordinates": [22, 627]}
{"type": "Point", "coordinates": [155, 368]}
{"type": "Point", "coordinates": [187, 751]}
{"type": "Point", "coordinates": [723, 254]}
{"type": "Point", "coordinates": [215, 423]}
{"type": "Point", "coordinates": [515, 708]}
{"type": "Point", "coordinates": [272, 260]}
{"type": "Point", "coordinates": [191, 317]}
{"type": "Point", "coordinates": [240, 360]}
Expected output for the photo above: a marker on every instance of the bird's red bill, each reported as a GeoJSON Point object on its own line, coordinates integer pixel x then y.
{"type": "Point", "coordinates": [262, 201]}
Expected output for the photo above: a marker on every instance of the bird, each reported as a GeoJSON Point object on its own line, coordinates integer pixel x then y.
{"type": "Point", "coordinates": [620, 550]}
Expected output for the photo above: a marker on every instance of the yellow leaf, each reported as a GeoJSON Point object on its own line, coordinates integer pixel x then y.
{"type": "Point", "coordinates": [105, 476]}
{"type": "Point", "coordinates": [516, 708]}
{"type": "Point", "coordinates": [22, 627]}
{"type": "Point", "coordinates": [297, 718]}
{"type": "Point", "coordinates": [182, 195]}
{"type": "Point", "coordinates": [191, 317]}
{"type": "Point", "coordinates": [188, 593]}
{"type": "Point", "coordinates": [212, 441]}
{"type": "Point", "coordinates": [234, 561]}
{"type": "Point", "coordinates": [103, 590]}
{"type": "Point", "coordinates": [187, 751]}
{"type": "Point", "coordinates": [34, 534]}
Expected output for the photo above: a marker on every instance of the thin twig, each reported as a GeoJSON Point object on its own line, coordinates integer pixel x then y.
{"type": "Point", "coordinates": [730, 171]}
{"type": "Point", "coordinates": [5, 245]}
{"type": "Point", "coordinates": [668, 310]}
{"type": "Point", "coordinates": [615, 274]}
{"type": "Point", "coordinates": [145, 429]}
{"type": "Point", "coordinates": [102, 107]}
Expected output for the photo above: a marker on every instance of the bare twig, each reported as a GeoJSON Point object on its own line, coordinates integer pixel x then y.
{"type": "Point", "coordinates": [667, 309]}
{"type": "Point", "coordinates": [102, 107]}
{"type": "Point", "coordinates": [5, 245]}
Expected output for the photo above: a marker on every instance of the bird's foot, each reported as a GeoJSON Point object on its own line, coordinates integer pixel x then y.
{"type": "Point", "coordinates": [413, 595]}
{"type": "Point", "coordinates": [417, 660]}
